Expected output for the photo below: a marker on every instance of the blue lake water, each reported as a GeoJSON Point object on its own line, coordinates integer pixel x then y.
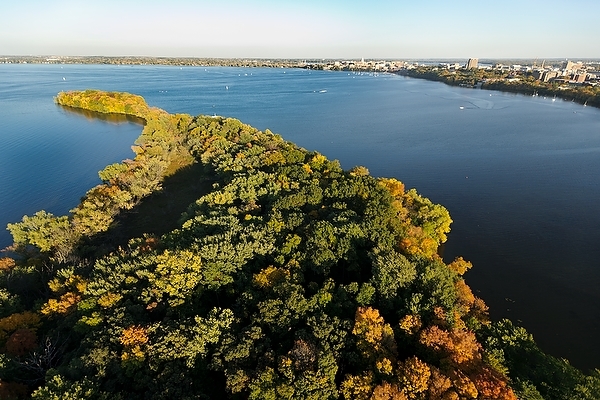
{"type": "Point", "coordinates": [520, 175]}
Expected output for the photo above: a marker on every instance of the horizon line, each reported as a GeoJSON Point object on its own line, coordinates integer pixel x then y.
{"type": "Point", "coordinates": [295, 58]}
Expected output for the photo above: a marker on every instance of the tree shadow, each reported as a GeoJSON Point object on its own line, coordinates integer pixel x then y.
{"type": "Point", "coordinates": [156, 214]}
{"type": "Point", "coordinates": [112, 118]}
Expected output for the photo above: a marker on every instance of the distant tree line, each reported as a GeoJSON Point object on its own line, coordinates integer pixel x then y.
{"type": "Point", "coordinates": [170, 61]}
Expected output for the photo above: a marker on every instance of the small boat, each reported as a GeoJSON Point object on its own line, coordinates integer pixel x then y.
{"type": "Point", "coordinates": [323, 91]}
{"type": "Point", "coordinates": [461, 107]}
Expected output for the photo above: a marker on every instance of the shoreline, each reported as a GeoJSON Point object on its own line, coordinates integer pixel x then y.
{"type": "Point", "coordinates": [578, 94]}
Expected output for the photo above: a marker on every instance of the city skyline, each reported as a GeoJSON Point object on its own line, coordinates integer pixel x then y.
{"type": "Point", "coordinates": [310, 29]}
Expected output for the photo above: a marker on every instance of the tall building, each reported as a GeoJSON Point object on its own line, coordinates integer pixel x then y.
{"type": "Point", "coordinates": [472, 63]}
{"type": "Point", "coordinates": [570, 66]}
{"type": "Point", "coordinates": [580, 78]}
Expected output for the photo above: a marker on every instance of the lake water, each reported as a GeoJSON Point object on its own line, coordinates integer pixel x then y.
{"type": "Point", "coordinates": [519, 175]}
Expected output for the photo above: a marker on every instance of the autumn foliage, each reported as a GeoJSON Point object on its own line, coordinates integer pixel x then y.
{"type": "Point", "coordinates": [21, 342]}
{"type": "Point", "coordinates": [449, 364]}
{"type": "Point", "coordinates": [6, 264]}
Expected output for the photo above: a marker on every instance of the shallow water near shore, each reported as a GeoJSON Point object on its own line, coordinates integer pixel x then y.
{"type": "Point", "coordinates": [519, 175]}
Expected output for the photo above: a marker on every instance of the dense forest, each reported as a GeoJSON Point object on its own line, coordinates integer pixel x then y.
{"type": "Point", "coordinates": [226, 262]}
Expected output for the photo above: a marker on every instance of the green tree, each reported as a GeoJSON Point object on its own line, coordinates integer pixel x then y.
{"type": "Point", "coordinates": [49, 234]}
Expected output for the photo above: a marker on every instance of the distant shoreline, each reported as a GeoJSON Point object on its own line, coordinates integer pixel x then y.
{"type": "Point", "coordinates": [242, 61]}
{"type": "Point", "coordinates": [584, 95]}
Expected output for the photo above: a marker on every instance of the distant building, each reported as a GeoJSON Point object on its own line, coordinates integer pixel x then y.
{"type": "Point", "coordinates": [580, 78]}
{"type": "Point", "coordinates": [451, 66]}
{"type": "Point", "coordinates": [549, 75]}
{"type": "Point", "coordinates": [472, 63]}
{"type": "Point", "coordinates": [545, 76]}
{"type": "Point", "coordinates": [570, 66]}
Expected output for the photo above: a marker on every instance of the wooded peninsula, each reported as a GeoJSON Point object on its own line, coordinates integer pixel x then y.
{"type": "Point", "coordinates": [226, 262]}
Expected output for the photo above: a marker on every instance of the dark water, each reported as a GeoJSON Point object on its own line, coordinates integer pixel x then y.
{"type": "Point", "coordinates": [520, 175]}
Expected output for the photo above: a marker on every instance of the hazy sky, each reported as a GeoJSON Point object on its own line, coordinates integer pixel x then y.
{"type": "Point", "coordinates": [302, 28]}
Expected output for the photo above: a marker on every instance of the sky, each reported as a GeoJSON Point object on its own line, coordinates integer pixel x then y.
{"type": "Point", "coordinates": [302, 29]}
